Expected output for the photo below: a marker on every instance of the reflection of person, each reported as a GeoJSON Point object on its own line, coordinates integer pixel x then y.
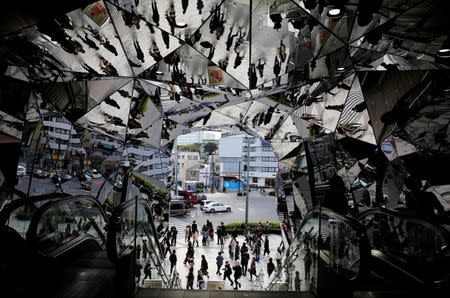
{"type": "Point", "coordinates": [308, 262]}
{"type": "Point", "coordinates": [297, 281]}
{"type": "Point", "coordinates": [336, 197]}
{"type": "Point", "coordinates": [422, 202]}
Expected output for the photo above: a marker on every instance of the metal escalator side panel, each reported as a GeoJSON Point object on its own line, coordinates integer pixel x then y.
{"type": "Point", "coordinates": [416, 246]}
{"type": "Point", "coordinates": [58, 222]}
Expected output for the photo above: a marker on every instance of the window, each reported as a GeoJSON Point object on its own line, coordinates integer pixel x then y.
{"type": "Point", "coordinates": [144, 158]}
{"type": "Point", "coordinates": [269, 158]}
{"type": "Point", "coordinates": [254, 169]}
{"type": "Point", "coordinates": [266, 148]}
{"type": "Point", "coordinates": [252, 158]}
{"type": "Point", "coordinates": [269, 169]}
{"type": "Point", "coordinates": [189, 157]}
{"type": "Point", "coordinates": [158, 166]}
{"type": "Point", "coordinates": [255, 179]}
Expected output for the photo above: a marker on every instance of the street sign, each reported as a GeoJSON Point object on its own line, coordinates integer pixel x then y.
{"type": "Point", "coordinates": [97, 13]}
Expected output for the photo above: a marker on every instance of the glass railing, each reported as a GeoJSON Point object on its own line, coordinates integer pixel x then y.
{"type": "Point", "coordinates": [59, 224]}
{"type": "Point", "coordinates": [132, 230]}
{"type": "Point", "coordinates": [417, 246]}
{"type": "Point", "coordinates": [340, 243]}
{"type": "Point", "coordinates": [17, 214]}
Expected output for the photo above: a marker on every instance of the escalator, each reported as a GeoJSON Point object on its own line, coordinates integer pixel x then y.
{"type": "Point", "coordinates": [408, 253]}
{"type": "Point", "coordinates": [57, 250]}
{"type": "Point", "coordinates": [330, 252]}
{"type": "Point", "coordinates": [132, 226]}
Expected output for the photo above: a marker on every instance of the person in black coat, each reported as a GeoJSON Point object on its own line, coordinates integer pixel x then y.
{"type": "Point", "coordinates": [244, 258]}
{"type": "Point", "coordinates": [237, 274]}
{"type": "Point", "coordinates": [270, 267]}
{"type": "Point", "coordinates": [227, 273]}
{"type": "Point", "coordinates": [204, 266]}
{"type": "Point", "coordinates": [173, 260]}
{"type": "Point", "coordinates": [147, 271]}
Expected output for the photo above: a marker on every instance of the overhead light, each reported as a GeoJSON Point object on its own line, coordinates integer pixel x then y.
{"type": "Point", "coordinates": [158, 72]}
{"type": "Point", "coordinates": [444, 53]}
{"type": "Point", "coordinates": [340, 68]}
{"type": "Point", "coordinates": [334, 12]}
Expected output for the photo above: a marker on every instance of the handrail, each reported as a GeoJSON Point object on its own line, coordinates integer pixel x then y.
{"type": "Point", "coordinates": [9, 208]}
{"type": "Point", "coordinates": [32, 230]}
{"type": "Point", "coordinates": [432, 225]}
{"type": "Point", "coordinates": [111, 236]}
{"type": "Point", "coordinates": [427, 222]}
{"type": "Point", "coordinates": [291, 255]}
{"type": "Point", "coordinates": [351, 222]}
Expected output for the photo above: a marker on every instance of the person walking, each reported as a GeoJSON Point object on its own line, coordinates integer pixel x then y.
{"type": "Point", "coordinates": [227, 272]}
{"type": "Point", "coordinates": [190, 279]}
{"type": "Point", "coordinates": [187, 234]}
{"type": "Point", "coordinates": [231, 248]}
{"type": "Point", "coordinates": [253, 269]}
{"type": "Point", "coordinates": [237, 251]}
{"type": "Point", "coordinates": [147, 271]}
{"type": "Point", "coordinates": [219, 262]}
{"type": "Point", "coordinates": [173, 260]}
{"type": "Point", "coordinates": [195, 237]}
{"type": "Point", "coordinates": [266, 246]}
{"type": "Point", "coordinates": [237, 274]}
{"type": "Point", "coordinates": [257, 250]}
{"type": "Point", "coordinates": [194, 226]}
{"type": "Point", "coordinates": [174, 235]}
{"type": "Point", "coordinates": [270, 267]}
{"type": "Point", "coordinates": [204, 266]}
{"type": "Point", "coordinates": [245, 258]}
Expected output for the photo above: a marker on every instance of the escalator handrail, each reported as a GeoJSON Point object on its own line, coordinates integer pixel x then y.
{"type": "Point", "coordinates": [32, 230]}
{"type": "Point", "coordinates": [70, 244]}
{"type": "Point", "coordinates": [9, 208]}
{"type": "Point", "coordinates": [111, 235]}
{"type": "Point", "coordinates": [364, 244]}
{"type": "Point", "coordinates": [149, 214]}
{"type": "Point", "coordinates": [434, 226]}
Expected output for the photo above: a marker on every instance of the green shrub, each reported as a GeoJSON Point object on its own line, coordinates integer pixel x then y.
{"type": "Point", "coordinates": [273, 225]}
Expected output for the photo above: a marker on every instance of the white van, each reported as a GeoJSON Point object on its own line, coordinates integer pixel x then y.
{"type": "Point", "coordinates": [21, 171]}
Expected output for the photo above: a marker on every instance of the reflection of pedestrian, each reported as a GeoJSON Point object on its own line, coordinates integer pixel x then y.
{"type": "Point", "coordinates": [165, 37]}
{"type": "Point", "coordinates": [184, 4]}
{"type": "Point", "coordinates": [308, 262]}
{"type": "Point", "coordinates": [139, 53]}
{"type": "Point", "coordinates": [230, 38]}
{"type": "Point", "coordinates": [276, 67]}
{"type": "Point", "coordinates": [155, 14]}
{"type": "Point", "coordinates": [173, 260]}
{"type": "Point", "coordinates": [238, 60]}
{"type": "Point", "coordinates": [270, 267]}
{"type": "Point", "coordinates": [297, 281]}
{"type": "Point", "coordinates": [147, 271]}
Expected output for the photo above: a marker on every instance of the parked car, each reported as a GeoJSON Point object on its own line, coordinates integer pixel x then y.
{"type": "Point", "coordinates": [178, 208]}
{"type": "Point", "coordinates": [60, 177]}
{"type": "Point", "coordinates": [204, 203]}
{"type": "Point", "coordinates": [95, 174]}
{"type": "Point", "coordinates": [21, 171]}
{"type": "Point", "coordinates": [40, 174]}
{"type": "Point", "coordinates": [216, 207]}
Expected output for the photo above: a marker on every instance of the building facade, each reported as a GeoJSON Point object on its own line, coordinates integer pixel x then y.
{"type": "Point", "coordinates": [235, 153]}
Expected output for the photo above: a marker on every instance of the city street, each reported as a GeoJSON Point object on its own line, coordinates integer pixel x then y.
{"type": "Point", "coordinates": [261, 208]}
{"type": "Point", "coordinates": [45, 186]}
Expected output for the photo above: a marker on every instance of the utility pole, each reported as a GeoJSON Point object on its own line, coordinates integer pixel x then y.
{"type": "Point", "coordinates": [176, 172]}
{"type": "Point", "coordinates": [239, 179]}
{"type": "Point", "coordinates": [248, 180]}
